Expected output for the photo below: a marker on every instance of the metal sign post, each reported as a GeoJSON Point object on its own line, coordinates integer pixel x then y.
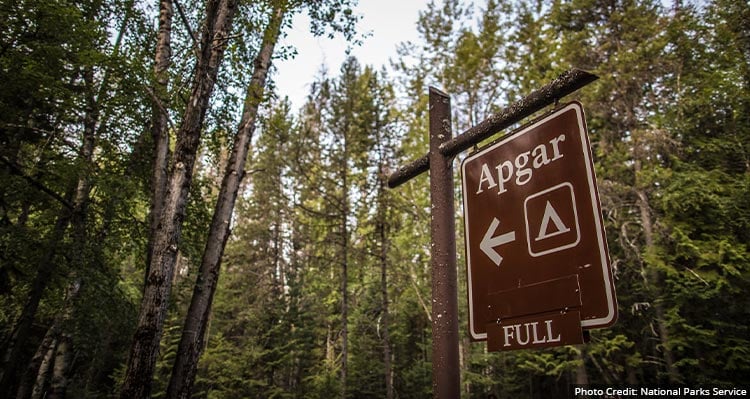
{"type": "Point", "coordinates": [445, 362]}
{"type": "Point", "coordinates": [445, 373]}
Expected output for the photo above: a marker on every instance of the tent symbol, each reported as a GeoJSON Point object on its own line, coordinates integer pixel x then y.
{"type": "Point", "coordinates": [551, 215]}
{"type": "Point", "coordinates": [551, 220]}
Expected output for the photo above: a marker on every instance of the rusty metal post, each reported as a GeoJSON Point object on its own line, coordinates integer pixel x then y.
{"type": "Point", "coordinates": [445, 360]}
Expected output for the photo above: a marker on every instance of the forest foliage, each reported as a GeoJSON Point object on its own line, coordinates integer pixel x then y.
{"type": "Point", "coordinates": [166, 215]}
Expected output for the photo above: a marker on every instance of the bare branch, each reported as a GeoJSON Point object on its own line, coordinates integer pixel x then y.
{"type": "Point", "coordinates": [187, 25]}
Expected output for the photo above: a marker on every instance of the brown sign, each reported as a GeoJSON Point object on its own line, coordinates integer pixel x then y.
{"type": "Point", "coordinates": [534, 234]}
{"type": "Point", "coordinates": [541, 331]}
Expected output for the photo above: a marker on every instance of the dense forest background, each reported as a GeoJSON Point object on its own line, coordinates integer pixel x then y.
{"type": "Point", "coordinates": [134, 135]}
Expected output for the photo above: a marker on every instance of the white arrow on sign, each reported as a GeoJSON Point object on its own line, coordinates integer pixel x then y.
{"type": "Point", "coordinates": [489, 242]}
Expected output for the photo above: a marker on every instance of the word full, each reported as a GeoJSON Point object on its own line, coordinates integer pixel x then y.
{"type": "Point", "coordinates": [526, 333]}
{"type": "Point", "coordinates": [541, 155]}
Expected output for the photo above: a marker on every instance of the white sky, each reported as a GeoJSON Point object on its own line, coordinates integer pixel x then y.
{"type": "Point", "coordinates": [389, 23]}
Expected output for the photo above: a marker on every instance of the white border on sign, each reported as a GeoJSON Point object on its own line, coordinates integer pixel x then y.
{"type": "Point", "coordinates": [591, 178]}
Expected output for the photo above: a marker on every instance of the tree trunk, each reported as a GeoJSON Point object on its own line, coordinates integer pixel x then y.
{"type": "Point", "coordinates": [46, 357]}
{"type": "Point", "coordinates": [655, 283]}
{"type": "Point", "coordinates": [36, 368]}
{"type": "Point", "coordinates": [194, 330]}
{"type": "Point", "coordinates": [344, 311]}
{"type": "Point", "coordinates": [63, 353]}
{"type": "Point", "coordinates": [159, 121]}
{"type": "Point", "coordinates": [382, 232]}
{"type": "Point", "coordinates": [145, 347]}
{"type": "Point", "coordinates": [43, 374]}
{"type": "Point", "coordinates": [344, 273]}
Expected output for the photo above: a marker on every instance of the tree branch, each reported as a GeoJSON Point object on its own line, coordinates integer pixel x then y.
{"type": "Point", "coordinates": [14, 169]}
{"type": "Point", "coordinates": [187, 25]}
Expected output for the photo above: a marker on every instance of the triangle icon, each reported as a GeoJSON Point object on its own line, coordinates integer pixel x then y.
{"type": "Point", "coordinates": [551, 215]}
